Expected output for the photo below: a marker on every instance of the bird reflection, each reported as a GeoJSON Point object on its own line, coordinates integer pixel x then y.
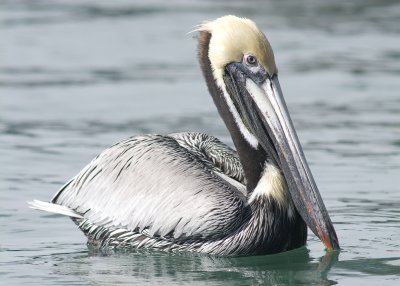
{"type": "Point", "coordinates": [146, 266]}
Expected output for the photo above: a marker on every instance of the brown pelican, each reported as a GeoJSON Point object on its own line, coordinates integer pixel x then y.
{"type": "Point", "coordinates": [191, 192]}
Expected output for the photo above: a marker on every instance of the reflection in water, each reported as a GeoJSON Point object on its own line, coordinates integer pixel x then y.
{"type": "Point", "coordinates": [295, 267]}
{"type": "Point", "coordinates": [377, 266]}
{"type": "Point", "coordinates": [289, 268]}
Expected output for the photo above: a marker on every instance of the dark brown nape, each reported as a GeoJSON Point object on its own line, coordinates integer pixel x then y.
{"type": "Point", "coordinates": [252, 160]}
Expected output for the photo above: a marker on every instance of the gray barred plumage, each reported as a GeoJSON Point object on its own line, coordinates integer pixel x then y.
{"type": "Point", "coordinates": [119, 188]}
{"type": "Point", "coordinates": [191, 205]}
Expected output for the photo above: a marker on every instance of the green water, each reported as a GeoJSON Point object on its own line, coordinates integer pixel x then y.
{"type": "Point", "coordinates": [77, 76]}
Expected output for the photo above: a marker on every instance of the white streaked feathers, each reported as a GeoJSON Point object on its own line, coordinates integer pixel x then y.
{"type": "Point", "coordinates": [117, 200]}
{"type": "Point", "coordinates": [54, 208]}
{"type": "Point", "coordinates": [118, 188]}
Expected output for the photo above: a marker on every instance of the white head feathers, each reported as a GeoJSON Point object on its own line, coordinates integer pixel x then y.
{"type": "Point", "coordinates": [231, 38]}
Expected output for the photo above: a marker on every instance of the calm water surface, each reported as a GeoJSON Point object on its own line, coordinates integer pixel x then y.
{"type": "Point", "coordinates": [77, 76]}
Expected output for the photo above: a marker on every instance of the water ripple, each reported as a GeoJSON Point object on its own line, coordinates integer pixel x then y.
{"type": "Point", "coordinates": [78, 75]}
{"type": "Point", "coordinates": [36, 77]}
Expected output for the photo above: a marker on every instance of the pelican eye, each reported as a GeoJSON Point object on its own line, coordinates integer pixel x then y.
{"type": "Point", "coordinates": [250, 60]}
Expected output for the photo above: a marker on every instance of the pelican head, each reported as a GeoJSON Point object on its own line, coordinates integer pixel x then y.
{"type": "Point", "coordinates": [239, 67]}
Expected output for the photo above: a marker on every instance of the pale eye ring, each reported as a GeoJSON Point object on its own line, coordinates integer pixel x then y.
{"type": "Point", "coordinates": [250, 60]}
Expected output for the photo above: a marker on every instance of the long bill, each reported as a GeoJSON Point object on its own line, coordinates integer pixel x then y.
{"type": "Point", "coordinates": [259, 100]}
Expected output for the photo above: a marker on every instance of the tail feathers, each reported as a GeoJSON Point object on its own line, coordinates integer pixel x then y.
{"type": "Point", "coordinates": [54, 208]}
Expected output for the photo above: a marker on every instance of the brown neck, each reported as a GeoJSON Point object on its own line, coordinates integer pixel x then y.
{"type": "Point", "coordinates": [252, 159]}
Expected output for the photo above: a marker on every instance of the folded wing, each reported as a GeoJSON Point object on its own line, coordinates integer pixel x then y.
{"type": "Point", "coordinates": [183, 186]}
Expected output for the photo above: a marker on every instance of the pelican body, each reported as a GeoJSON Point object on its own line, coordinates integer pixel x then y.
{"type": "Point", "coordinates": [190, 191]}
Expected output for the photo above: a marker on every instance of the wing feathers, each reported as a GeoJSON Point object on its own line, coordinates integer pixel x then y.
{"type": "Point", "coordinates": [166, 185]}
{"type": "Point", "coordinates": [53, 208]}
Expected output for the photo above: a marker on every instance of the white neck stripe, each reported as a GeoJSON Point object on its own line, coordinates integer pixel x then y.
{"type": "Point", "coordinates": [250, 138]}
